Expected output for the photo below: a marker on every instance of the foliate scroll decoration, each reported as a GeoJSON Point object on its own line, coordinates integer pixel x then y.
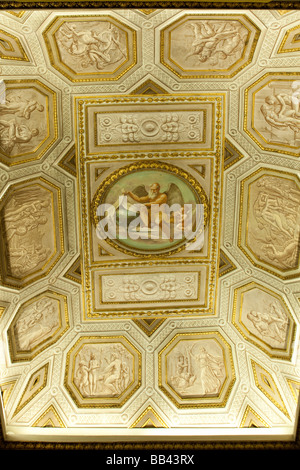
{"type": "Point", "coordinates": [140, 127]}
{"type": "Point", "coordinates": [103, 371]}
{"type": "Point", "coordinates": [38, 324]}
{"type": "Point", "coordinates": [31, 229]}
{"type": "Point", "coordinates": [269, 221]}
{"type": "Point", "coordinates": [196, 370]}
{"type": "Point", "coordinates": [132, 288]}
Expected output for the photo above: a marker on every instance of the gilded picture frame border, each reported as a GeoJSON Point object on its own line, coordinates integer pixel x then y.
{"type": "Point", "coordinates": [226, 445]}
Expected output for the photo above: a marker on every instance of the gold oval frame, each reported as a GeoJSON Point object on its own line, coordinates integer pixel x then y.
{"type": "Point", "coordinates": [162, 166]}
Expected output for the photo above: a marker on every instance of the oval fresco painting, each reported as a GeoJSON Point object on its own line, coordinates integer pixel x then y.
{"type": "Point", "coordinates": [150, 208]}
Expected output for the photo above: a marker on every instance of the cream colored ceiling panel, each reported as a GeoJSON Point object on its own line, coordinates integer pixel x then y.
{"type": "Point", "coordinates": [129, 337]}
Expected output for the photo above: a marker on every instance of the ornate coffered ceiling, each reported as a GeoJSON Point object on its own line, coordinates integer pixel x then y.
{"type": "Point", "coordinates": [113, 338]}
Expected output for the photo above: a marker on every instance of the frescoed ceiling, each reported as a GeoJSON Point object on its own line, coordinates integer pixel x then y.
{"type": "Point", "coordinates": [121, 338]}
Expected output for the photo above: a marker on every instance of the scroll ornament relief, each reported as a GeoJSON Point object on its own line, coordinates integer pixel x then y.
{"type": "Point", "coordinates": [142, 127]}
{"type": "Point", "coordinates": [103, 370]}
{"type": "Point", "coordinates": [91, 46]}
{"type": "Point", "coordinates": [153, 287]}
{"type": "Point", "coordinates": [274, 228]}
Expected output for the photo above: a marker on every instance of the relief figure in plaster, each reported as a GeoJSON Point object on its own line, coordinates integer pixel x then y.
{"type": "Point", "coordinates": [23, 121]}
{"type": "Point", "coordinates": [209, 368]}
{"type": "Point", "coordinates": [26, 220]}
{"type": "Point", "coordinates": [103, 370]}
{"type": "Point", "coordinates": [36, 323]}
{"type": "Point", "coordinates": [214, 42]}
{"type": "Point", "coordinates": [20, 107]}
{"type": "Point", "coordinates": [277, 117]}
{"type": "Point", "coordinates": [184, 377]}
{"type": "Point", "coordinates": [198, 372]}
{"type": "Point", "coordinates": [13, 134]}
{"type": "Point", "coordinates": [276, 226]}
{"type": "Point", "coordinates": [278, 112]}
{"type": "Point", "coordinates": [91, 46]}
{"type": "Point", "coordinates": [271, 324]}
